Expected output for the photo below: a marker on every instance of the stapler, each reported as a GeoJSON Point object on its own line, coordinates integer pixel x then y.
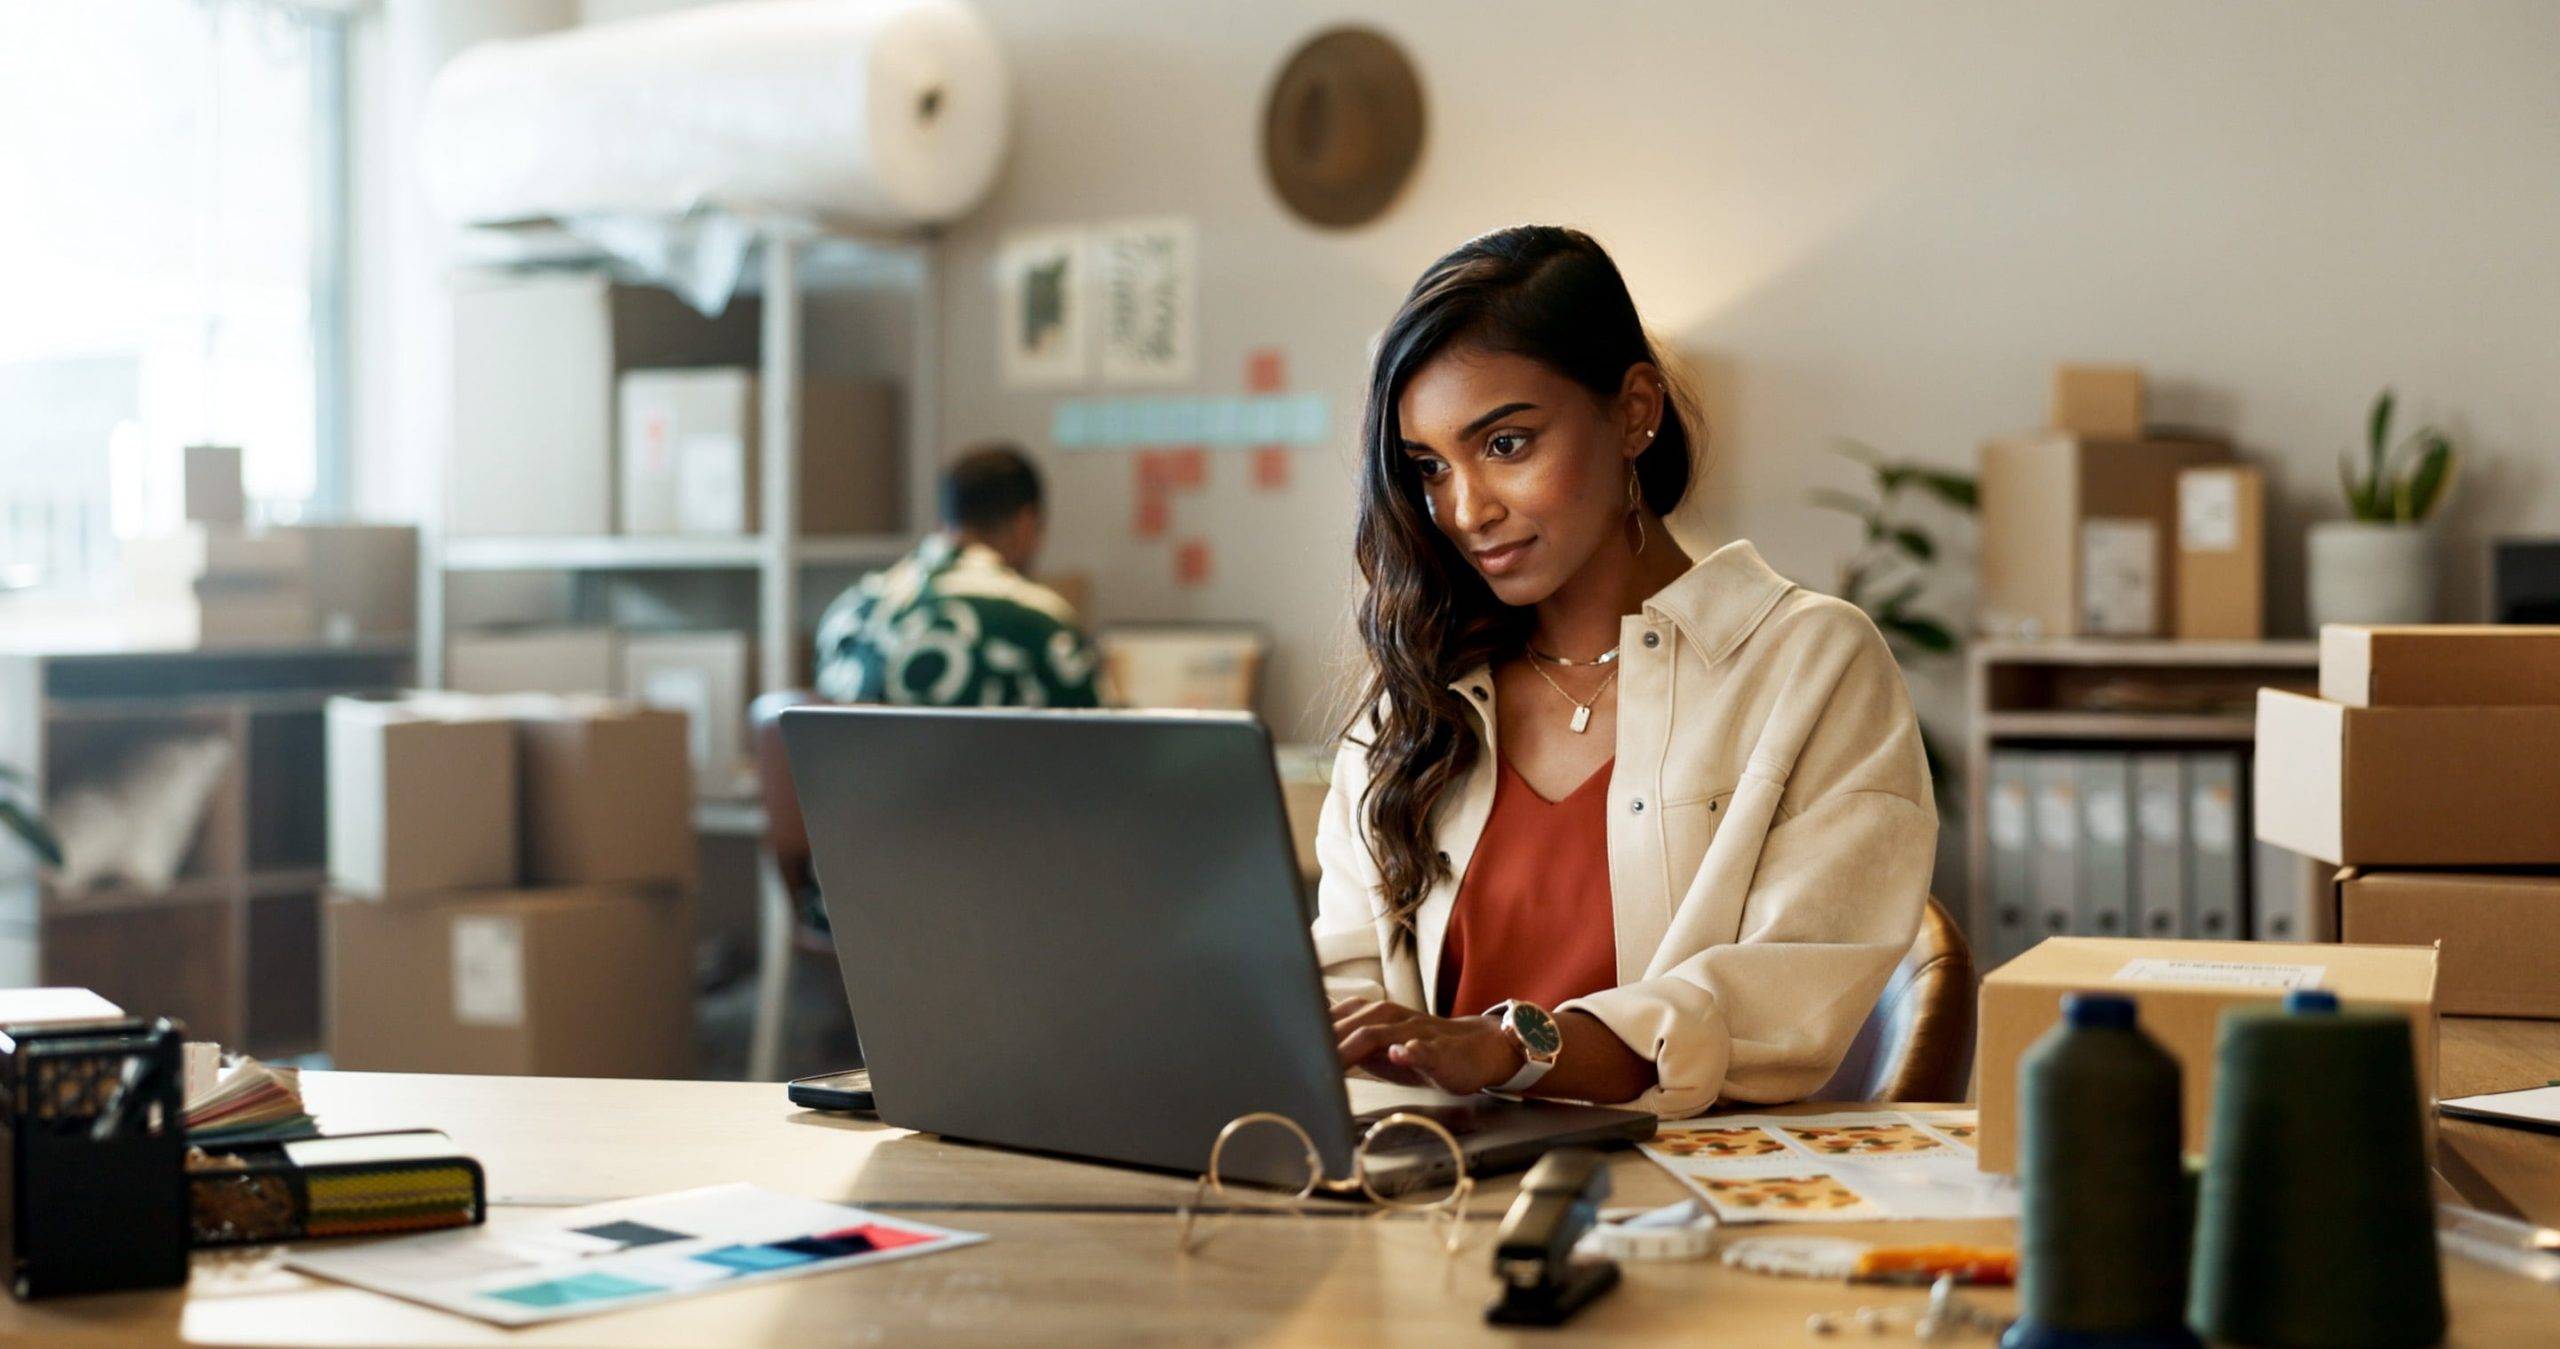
{"type": "Point", "coordinates": [1542, 1283]}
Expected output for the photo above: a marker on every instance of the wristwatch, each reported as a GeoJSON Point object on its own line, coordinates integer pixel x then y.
{"type": "Point", "coordinates": [1535, 1031]}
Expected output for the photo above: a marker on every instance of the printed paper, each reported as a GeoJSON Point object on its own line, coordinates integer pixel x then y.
{"type": "Point", "coordinates": [1860, 1167]}
{"type": "Point", "coordinates": [1040, 307]}
{"type": "Point", "coordinates": [610, 1256]}
{"type": "Point", "coordinates": [488, 969]}
{"type": "Point", "coordinates": [1147, 285]}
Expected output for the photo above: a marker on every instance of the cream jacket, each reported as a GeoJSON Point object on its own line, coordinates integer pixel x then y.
{"type": "Point", "coordinates": [1771, 833]}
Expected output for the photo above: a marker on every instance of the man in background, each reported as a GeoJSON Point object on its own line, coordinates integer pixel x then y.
{"type": "Point", "coordinates": [956, 623]}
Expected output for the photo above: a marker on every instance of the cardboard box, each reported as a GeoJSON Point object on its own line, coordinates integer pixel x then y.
{"type": "Point", "coordinates": [1199, 668]}
{"type": "Point", "coordinates": [216, 585]}
{"type": "Point", "coordinates": [535, 362]}
{"type": "Point", "coordinates": [2182, 988]}
{"type": "Point", "coordinates": [422, 797]}
{"type": "Point", "coordinates": [606, 788]}
{"type": "Point", "coordinates": [534, 660]}
{"type": "Point", "coordinates": [2497, 934]}
{"type": "Point", "coordinates": [2447, 665]}
{"type": "Point", "coordinates": [364, 580]}
{"type": "Point", "coordinates": [213, 491]}
{"type": "Point", "coordinates": [703, 675]}
{"type": "Point", "coordinates": [692, 457]}
{"type": "Point", "coordinates": [2222, 554]}
{"type": "Point", "coordinates": [2408, 786]}
{"type": "Point", "coordinates": [2098, 400]}
{"type": "Point", "coordinates": [2077, 533]}
{"type": "Point", "coordinates": [593, 981]}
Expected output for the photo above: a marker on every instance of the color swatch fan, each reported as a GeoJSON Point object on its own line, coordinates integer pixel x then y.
{"type": "Point", "coordinates": [250, 1101]}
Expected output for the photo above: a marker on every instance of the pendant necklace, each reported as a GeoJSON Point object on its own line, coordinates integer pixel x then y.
{"type": "Point", "coordinates": [1581, 709]}
{"type": "Point", "coordinates": [1608, 657]}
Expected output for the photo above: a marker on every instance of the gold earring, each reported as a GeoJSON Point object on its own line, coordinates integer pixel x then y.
{"type": "Point", "coordinates": [1635, 508]}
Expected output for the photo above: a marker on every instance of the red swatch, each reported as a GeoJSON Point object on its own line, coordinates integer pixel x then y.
{"type": "Point", "coordinates": [1266, 370]}
{"type": "Point", "coordinates": [1154, 515]}
{"type": "Point", "coordinates": [1191, 562]}
{"type": "Point", "coordinates": [881, 1238]}
{"type": "Point", "coordinates": [1154, 471]}
{"type": "Point", "coordinates": [1271, 464]}
{"type": "Point", "coordinates": [1186, 467]}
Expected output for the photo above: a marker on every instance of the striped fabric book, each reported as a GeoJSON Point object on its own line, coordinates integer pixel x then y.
{"type": "Point", "coordinates": [345, 1186]}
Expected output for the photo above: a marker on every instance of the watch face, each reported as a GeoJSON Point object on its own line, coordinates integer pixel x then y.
{"type": "Point", "coordinates": [1536, 1029]}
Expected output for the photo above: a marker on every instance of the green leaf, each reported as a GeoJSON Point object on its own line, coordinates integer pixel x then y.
{"type": "Point", "coordinates": [1848, 503]}
{"type": "Point", "coordinates": [1955, 489]}
{"type": "Point", "coordinates": [1917, 544]}
{"type": "Point", "coordinates": [32, 831]}
{"type": "Point", "coordinates": [1892, 604]}
{"type": "Point", "coordinates": [1925, 633]}
{"type": "Point", "coordinates": [2378, 426]}
{"type": "Point", "coordinates": [2423, 489]}
{"type": "Point", "coordinates": [1891, 477]}
{"type": "Point", "coordinates": [2360, 503]}
{"type": "Point", "coordinates": [1859, 450]}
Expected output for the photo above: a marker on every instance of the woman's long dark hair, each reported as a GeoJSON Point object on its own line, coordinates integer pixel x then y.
{"type": "Point", "coordinates": [1544, 292]}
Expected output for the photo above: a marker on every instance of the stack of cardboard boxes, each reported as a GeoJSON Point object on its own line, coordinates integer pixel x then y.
{"type": "Point", "coordinates": [511, 887]}
{"type": "Point", "coordinates": [217, 583]}
{"type": "Point", "coordinates": [2429, 771]}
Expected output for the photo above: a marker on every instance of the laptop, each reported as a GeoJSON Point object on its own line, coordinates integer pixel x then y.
{"type": "Point", "coordinates": [1084, 933]}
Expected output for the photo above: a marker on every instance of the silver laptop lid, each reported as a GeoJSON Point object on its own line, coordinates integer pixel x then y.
{"type": "Point", "coordinates": [1077, 932]}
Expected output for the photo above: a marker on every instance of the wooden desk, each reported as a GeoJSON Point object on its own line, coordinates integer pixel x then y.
{"type": "Point", "coordinates": [1087, 1277]}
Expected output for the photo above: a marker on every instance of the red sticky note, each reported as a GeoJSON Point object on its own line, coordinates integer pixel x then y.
{"type": "Point", "coordinates": [1187, 467]}
{"type": "Point", "coordinates": [1266, 370]}
{"type": "Point", "coordinates": [1154, 471]}
{"type": "Point", "coordinates": [1191, 562]}
{"type": "Point", "coordinates": [1154, 515]}
{"type": "Point", "coordinates": [1271, 467]}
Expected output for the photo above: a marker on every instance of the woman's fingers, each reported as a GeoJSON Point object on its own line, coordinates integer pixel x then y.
{"type": "Point", "coordinates": [1367, 1042]}
{"type": "Point", "coordinates": [1370, 1014]}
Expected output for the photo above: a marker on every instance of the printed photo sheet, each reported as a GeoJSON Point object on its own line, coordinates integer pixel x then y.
{"type": "Point", "coordinates": [609, 1256]}
{"type": "Point", "coordinates": [1862, 1167]}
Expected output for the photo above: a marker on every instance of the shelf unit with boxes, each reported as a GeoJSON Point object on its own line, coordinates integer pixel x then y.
{"type": "Point", "coordinates": [231, 945]}
{"type": "Point", "coordinates": [2093, 762]}
{"type": "Point", "coordinates": [563, 469]}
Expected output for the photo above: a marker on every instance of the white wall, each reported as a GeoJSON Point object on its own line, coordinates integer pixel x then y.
{"type": "Point", "coordinates": [1878, 220]}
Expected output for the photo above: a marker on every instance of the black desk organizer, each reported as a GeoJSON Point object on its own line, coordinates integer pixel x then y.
{"type": "Point", "coordinates": [93, 1139]}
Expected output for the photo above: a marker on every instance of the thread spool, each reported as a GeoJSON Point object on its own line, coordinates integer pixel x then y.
{"type": "Point", "coordinates": [2103, 1222]}
{"type": "Point", "coordinates": [2315, 1229]}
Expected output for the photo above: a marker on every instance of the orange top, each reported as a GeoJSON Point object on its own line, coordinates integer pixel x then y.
{"type": "Point", "coordinates": [1532, 919]}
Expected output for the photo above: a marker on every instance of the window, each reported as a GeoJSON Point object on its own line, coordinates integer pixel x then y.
{"type": "Point", "coordinates": [171, 264]}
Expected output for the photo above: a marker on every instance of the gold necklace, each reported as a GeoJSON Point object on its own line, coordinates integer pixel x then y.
{"type": "Point", "coordinates": [1581, 709]}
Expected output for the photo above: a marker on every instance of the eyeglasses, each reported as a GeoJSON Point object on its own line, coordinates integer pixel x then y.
{"type": "Point", "coordinates": [1380, 1173]}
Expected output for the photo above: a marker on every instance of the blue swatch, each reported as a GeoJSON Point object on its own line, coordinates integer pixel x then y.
{"type": "Point", "coordinates": [575, 1289]}
{"type": "Point", "coordinates": [747, 1259]}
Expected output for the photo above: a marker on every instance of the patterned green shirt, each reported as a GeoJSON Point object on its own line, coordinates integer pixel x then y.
{"type": "Point", "coordinates": [953, 626]}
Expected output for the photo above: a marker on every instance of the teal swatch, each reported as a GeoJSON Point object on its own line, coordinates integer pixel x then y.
{"type": "Point", "coordinates": [575, 1289]}
{"type": "Point", "coordinates": [1230, 421]}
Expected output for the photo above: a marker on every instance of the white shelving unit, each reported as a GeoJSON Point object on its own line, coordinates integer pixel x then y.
{"type": "Point", "coordinates": [797, 255]}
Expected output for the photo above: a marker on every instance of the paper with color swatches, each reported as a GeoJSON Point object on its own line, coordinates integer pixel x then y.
{"type": "Point", "coordinates": [1834, 1168]}
{"type": "Point", "coordinates": [608, 1256]}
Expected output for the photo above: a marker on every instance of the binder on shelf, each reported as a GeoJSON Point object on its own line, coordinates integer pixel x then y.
{"type": "Point", "coordinates": [2160, 845]}
{"type": "Point", "coordinates": [2289, 889]}
{"type": "Point", "coordinates": [2010, 824]}
{"type": "Point", "coordinates": [2217, 868]}
{"type": "Point", "coordinates": [2057, 830]}
{"type": "Point", "coordinates": [2106, 844]}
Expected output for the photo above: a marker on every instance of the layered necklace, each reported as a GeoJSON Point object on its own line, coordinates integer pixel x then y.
{"type": "Point", "coordinates": [1540, 660]}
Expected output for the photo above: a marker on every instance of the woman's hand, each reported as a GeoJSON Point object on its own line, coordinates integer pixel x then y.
{"type": "Point", "coordinates": [1459, 1055]}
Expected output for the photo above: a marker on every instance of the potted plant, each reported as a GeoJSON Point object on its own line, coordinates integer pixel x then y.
{"type": "Point", "coordinates": [1886, 573]}
{"type": "Point", "coordinates": [2379, 565]}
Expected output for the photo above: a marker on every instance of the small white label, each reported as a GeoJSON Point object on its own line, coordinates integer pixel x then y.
{"type": "Point", "coordinates": [2119, 561]}
{"type": "Point", "coordinates": [488, 969]}
{"type": "Point", "coordinates": [711, 484]}
{"type": "Point", "coordinates": [2217, 818]}
{"type": "Point", "coordinates": [2105, 815]}
{"type": "Point", "coordinates": [2057, 812]}
{"type": "Point", "coordinates": [2226, 973]}
{"type": "Point", "coordinates": [2011, 830]}
{"type": "Point", "coordinates": [2208, 511]}
{"type": "Point", "coordinates": [2156, 814]}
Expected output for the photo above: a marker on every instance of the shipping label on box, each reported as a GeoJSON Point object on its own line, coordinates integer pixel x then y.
{"type": "Point", "coordinates": [488, 969]}
{"type": "Point", "coordinates": [2119, 578]}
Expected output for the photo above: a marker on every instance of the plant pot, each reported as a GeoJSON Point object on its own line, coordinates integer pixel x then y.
{"type": "Point", "coordinates": [2362, 572]}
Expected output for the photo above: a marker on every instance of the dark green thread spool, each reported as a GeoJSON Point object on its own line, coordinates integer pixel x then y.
{"type": "Point", "coordinates": [2315, 1228]}
{"type": "Point", "coordinates": [2104, 1221]}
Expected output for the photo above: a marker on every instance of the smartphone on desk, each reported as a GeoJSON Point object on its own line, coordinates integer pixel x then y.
{"type": "Point", "coordinates": [849, 1091]}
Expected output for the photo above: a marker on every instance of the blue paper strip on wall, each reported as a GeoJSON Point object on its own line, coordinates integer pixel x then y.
{"type": "Point", "coordinates": [1236, 421]}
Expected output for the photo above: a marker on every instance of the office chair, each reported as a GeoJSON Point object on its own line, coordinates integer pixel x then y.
{"type": "Point", "coordinates": [1917, 1045]}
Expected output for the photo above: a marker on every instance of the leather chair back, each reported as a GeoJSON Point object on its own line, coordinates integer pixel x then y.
{"type": "Point", "coordinates": [1917, 1045]}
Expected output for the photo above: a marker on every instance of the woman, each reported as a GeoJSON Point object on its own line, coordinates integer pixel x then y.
{"type": "Point", "coordinates": [1613, 825]}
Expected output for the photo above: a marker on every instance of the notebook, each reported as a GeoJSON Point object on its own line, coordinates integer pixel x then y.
{"type": "Point", "coordinates": [2532, 1108]}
